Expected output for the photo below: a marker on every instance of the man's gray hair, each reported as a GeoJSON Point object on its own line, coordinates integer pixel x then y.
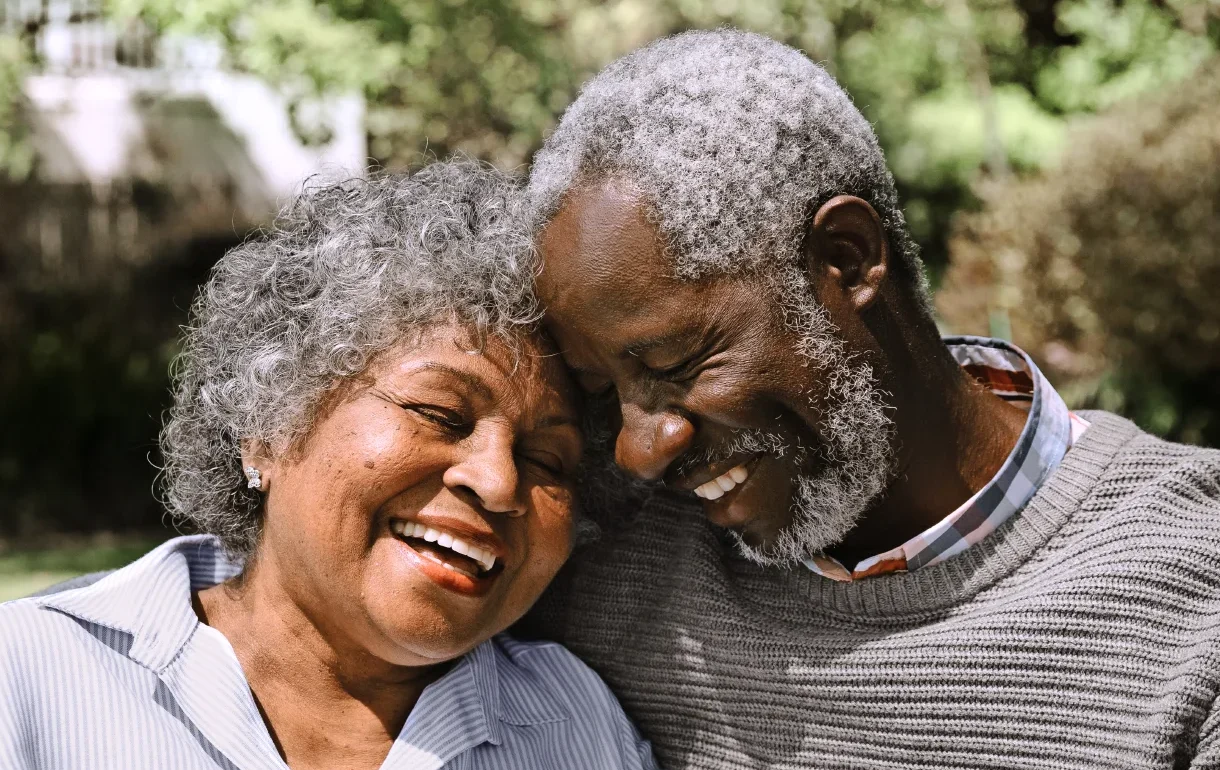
{"type": "Point", "coordinates": [734, 140]}
{"type": "Point", "coordinates": [348, 270]}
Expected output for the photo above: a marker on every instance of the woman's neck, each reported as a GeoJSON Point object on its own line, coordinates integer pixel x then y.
{"type": "Point", "coordinates": [325, 704]}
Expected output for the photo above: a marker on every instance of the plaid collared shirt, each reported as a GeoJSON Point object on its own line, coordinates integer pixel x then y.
{"type": "Point", "coordinates": [1050, 430]}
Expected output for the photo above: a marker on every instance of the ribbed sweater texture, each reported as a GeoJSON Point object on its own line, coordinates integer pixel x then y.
{"type": "Point", "coordinates": [1084, 633]}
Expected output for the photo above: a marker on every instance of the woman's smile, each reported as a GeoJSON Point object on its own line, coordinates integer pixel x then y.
{"type": "Point", "coordinates": [448, 555]}
{"type": "Point", "coordinates": [382, 451]}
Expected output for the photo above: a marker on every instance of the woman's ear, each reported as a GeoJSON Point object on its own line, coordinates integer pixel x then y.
{"type": "Point", "coordinates": [847, 243]}
{"type": "Point", "coordinates": [255, 465]}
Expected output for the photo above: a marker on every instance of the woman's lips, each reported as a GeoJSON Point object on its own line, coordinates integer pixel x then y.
{"type": "Point", "coordinates": [447, 568]}
{"type": "Point", "coordinates": [449, 541]}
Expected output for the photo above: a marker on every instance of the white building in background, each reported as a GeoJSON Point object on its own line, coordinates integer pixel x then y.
{"type": "Point", "coordinates": [144, 145]}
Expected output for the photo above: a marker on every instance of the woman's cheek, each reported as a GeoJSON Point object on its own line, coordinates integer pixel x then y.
{"type": "Point", "coordinates": [395, 453]}
{"type": "Point", "coordinates": [552, 501]}
{"type": "Point", "coordinates": [551, 530]}
{"type": "Point", "coordinates": [384, 435]}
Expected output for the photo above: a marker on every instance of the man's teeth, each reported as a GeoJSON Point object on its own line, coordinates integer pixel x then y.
{"type": "Point", "coordinates": [486, 559]}
{"type": "Point", "coordinates": [715, 489]}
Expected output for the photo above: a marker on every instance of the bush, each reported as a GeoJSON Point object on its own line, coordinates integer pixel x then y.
{"type": "Point", "coordinates": [1107, 267]}
{"type": "Point", "coordinates": [83, 384]}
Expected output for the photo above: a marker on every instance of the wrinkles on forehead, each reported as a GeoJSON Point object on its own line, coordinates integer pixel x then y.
{"type": "Point", "coordinates": [611, 297]}
{"type": "Point", "coordinates": [602, 248]}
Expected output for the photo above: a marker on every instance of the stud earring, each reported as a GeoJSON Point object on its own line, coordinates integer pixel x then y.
{"type": "Point", "coordinates": [254, 478]}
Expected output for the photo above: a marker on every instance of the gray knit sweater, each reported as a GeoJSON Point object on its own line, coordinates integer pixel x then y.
{"type": "Point", "coordinates": [1084, 633]}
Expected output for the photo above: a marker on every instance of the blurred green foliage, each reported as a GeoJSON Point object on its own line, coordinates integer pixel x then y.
{"type": "Point", "coordinates": [84, 381]}
{"type": "Point", "coordinates": [77, 557]}
{"type": "Point", "coordinates": [967, 96]}
{"type": "Point", "coordinates": [16, 156]}
{"type": "Point", "coordinates": [1107, 266]}
{"type": "Point", "coordinates": [950, 85]}
{"type": "Point", "coordinates": [26, 570]}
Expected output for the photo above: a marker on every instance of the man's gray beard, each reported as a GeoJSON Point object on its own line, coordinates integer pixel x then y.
{"type": "Point", "coordinates": [856, 458]}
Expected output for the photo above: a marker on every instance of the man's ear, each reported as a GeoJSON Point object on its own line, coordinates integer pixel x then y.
{"type": "Point", "coordinates": [847, 243]}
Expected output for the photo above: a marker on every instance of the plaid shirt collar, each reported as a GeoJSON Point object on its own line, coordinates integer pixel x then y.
{"type": "Point", "coordinates": [1050, 430]}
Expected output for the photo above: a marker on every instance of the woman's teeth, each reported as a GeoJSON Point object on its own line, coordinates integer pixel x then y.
{"type": "Point", "coordinates": [485, 559]}
{"type": "Point", "coordinates": [715, 489]}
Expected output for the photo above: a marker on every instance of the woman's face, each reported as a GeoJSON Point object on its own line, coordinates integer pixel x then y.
{"type": "Point", "coordinates": [472, 450]}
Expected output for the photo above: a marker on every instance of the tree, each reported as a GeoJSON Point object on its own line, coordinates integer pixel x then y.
{"type": "Point", "coordinates": [16, 158]}
{"type": "Point", "coordinates": [1108, 265]}
{"type": "Point", "coordinates": [490, 76]}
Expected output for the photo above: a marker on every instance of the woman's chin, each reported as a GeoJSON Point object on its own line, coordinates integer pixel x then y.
{"type": "Point", "coordinates": [426, 634]}
{"type": "Point", "coordinates": [427, 610]}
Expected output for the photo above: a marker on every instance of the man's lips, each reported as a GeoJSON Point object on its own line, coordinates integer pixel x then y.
{"type": "Point", "coordinates": [701, 476]}
{"type": "Point", "coordinates": [721, 497]}
{"type": "Point", "coordinates": [758, 502]}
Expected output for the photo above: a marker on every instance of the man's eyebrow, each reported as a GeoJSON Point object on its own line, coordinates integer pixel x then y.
{"type": "Point", "coordinates": [471, 380]}
{"type": "Point", "coordinates": [639, 347]}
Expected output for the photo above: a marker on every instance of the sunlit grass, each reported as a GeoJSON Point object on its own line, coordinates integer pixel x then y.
{"type": "Point", "coordinates": [24, 571]}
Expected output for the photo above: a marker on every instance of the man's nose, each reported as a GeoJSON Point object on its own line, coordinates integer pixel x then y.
{"type": "Point", "coordinates": [648, 442]}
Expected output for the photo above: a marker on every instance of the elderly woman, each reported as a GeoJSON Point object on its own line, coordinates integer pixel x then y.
{"type": "Point", "coordinates": [381, 454]}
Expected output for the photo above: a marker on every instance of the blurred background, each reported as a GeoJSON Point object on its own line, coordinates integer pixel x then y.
{"type": "Point", "coordinates": [1059, 161]}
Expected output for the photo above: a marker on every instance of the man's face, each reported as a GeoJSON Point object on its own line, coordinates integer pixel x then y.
{"type": "Point", "coordinates": [750, 402]}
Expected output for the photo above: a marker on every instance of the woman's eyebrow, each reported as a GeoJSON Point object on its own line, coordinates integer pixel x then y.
{"type": "Point", "coordinates": [471, 380]}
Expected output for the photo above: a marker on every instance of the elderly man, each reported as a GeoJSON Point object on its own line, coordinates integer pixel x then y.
{"type": "Point", "coordinates": [873, 547]}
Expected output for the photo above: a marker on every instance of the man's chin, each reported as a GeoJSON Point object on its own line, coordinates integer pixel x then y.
{"type": "Point", "coordinates": [808, 532]}
{"type": "Point", "coordinates": [768, 553]}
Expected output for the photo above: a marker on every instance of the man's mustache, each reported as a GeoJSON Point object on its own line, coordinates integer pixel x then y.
{"type": "Point", "coordinates": [741, 442]}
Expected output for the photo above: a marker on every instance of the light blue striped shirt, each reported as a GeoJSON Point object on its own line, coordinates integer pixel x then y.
{"type": "Point", "coordinates": [121, 674]}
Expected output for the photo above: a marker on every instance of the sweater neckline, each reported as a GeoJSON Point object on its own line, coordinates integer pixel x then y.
{"type": "Point", "coordinates": [957, 579]}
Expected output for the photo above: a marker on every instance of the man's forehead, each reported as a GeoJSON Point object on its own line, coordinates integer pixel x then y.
{"type": "Point", "coordinates": [606, 278]}
{"type": "Point", "coordinates": [602, 237]}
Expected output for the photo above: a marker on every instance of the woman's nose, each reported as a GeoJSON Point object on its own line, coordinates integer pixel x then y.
{"type": "Point", "coordinates": [489, 472]}
{"type": "Point", "coordinates": [648, 443]}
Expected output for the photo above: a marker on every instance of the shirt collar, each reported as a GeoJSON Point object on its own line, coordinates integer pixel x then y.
{"type": "Point", "coordinates": [150, 602]}
{"type": "Point", "coordinates": [1048, 433]}
{"type": "Point", "coordinates": [150, 599]}
{"type": "Point", "coordinates": [483, 690]}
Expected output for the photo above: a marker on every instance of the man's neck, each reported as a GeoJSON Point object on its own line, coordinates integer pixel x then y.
{"type": "Point", "coordinates": [324, 707]}
{"type": "Point", "coordinates": [953, 437]}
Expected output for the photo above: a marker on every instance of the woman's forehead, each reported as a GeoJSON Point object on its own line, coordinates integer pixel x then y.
{"type": "Point", "coordinates": [523, 374]}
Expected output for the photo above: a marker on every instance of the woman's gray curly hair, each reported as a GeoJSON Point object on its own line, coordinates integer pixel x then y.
{"type": "Point", "coordinates": [347, 271]}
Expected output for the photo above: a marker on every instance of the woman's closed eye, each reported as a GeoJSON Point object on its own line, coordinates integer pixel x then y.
{"type": "Point", "coordinates": [447, 420]}
{"type": "Point", "coordinates": [547, 463]}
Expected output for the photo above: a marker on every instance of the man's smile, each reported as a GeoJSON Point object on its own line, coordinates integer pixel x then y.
{"type": "Point", "coordinates": [717, 479]}
{"type": "Point", "coordinates": [723, 484]}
